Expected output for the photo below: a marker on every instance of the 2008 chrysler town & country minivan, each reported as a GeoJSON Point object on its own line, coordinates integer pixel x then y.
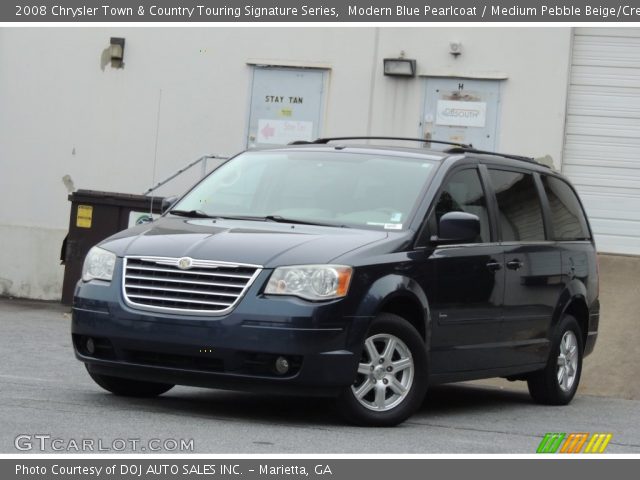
{"type": "Point", "coordinates": [360, 272]}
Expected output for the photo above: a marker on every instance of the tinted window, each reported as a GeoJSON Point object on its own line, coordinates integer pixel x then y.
{"type": "Point", "coordinates": [519, 210]}
{"type": "Point", "coordinates": [463, 192]}
{"type": "Point", "coordinates": [567, 217]}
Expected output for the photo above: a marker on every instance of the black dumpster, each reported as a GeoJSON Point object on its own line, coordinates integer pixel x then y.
{"type": "Point", "coordinates": [95, 216]}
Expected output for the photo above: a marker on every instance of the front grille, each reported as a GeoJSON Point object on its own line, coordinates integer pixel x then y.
{"type": "Point", "coordinates": [205, 287]}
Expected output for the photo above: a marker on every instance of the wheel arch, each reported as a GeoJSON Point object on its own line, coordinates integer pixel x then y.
{"type": "Point", "coordinates": [573, 301]}
{"type": "Point", "coordinates": [578, 309]}
{"type": "Point", "coordinates": [401, 296]}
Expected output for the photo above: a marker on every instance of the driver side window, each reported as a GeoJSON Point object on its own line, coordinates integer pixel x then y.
{"type": "Point", "coordinates": [463, 192]}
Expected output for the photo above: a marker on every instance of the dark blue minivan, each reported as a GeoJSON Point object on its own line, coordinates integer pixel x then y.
{"type": "Point", "coordinates": [360, 272]}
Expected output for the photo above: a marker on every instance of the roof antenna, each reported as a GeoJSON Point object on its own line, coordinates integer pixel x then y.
{"type": "Point", "coordinates": [155, 152]}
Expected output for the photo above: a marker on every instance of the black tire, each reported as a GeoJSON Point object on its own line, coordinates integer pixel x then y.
{"type": "Point", "coordinates": [126, 387]}
{"type": "Point", "coordinates": [544, 385]}
{"type": "Point", "coordinates": [389, 325]}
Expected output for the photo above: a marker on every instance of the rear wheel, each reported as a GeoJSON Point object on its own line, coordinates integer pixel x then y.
{"type": "Point", "coordinates": [391, 380]}
{"type": "Point", "coordinates": [126, 387]}
{"type": "Point", "coordinates": [558, 382]}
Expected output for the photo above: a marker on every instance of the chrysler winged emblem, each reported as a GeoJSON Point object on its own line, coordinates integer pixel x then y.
{"type": "Point", "coordinates": [185, 263]}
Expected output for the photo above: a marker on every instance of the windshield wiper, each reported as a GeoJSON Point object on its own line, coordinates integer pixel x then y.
{"type": "Point", "coordinates": [190, 213]}
{"type": "Point", "coordinates": [281, 219]}
{"type": "Point", "coordinates": [256, 218]}
{"type": "Point", "coordinates": [266, 218]}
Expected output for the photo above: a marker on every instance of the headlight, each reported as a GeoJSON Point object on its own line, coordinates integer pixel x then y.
{"type": "Point", "coordinates": [98, 265]}
{"type": "Point", "coordinates": [312, 282]}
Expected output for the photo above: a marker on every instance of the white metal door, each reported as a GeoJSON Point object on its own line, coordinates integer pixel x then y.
{"type": "Point", "coordinates": [602, 143]}
{"type": "Point", "coordinates": [286, 105]}
{"type": "Point", "coordinates": [461, 110]}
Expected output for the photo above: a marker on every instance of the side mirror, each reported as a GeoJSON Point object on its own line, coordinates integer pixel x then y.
{"type": "Point", "coordinates": [458, 227]}
{"type": "Point", "coordinates": [167, 202]}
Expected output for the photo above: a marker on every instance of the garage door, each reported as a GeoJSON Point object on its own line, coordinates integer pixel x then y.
{"type": "Point", "coordinates": [602, 145]}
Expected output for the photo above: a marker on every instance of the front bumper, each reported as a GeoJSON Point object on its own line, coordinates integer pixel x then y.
{"type": "Point", "coordinates": [235, 351]}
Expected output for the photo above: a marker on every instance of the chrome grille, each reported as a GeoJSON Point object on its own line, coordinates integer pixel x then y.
{"type": "Point", "coordinates": [203, 287]}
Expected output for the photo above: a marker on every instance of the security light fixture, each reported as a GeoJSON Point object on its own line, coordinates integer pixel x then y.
{"type": "Point", "coordinates": [116, 51]}
{"type": "Point", "coordinates": [455, 49]}
{"type": "Point", "coordinates": [400, 67]}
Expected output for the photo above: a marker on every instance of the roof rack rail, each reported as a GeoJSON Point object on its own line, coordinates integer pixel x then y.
{"type": "Point", "coordinates": [460, 149]}
{"type": "Point", "coordinates": [324, 141]}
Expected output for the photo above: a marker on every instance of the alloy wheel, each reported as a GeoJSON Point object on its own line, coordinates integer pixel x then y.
{"type": "Point", "coordinates": [567, 361]}
{"type": "Point", "coordinates": [385, 373]}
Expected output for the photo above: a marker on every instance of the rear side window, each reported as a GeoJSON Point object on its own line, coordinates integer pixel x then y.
{"type": "Point", "coordinates": [519, 210]}
{"type": "Point", "coordinates": [463, 192]}
{"type": "Point", "coordinates": [567, 217]}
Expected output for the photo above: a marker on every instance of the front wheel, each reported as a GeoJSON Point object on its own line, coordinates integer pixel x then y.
{"type": "Point", "coordinates": [391, 380]}
{"type": "Point", "coordinates": [558, 382]}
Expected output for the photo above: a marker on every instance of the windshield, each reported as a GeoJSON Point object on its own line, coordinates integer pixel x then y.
{"type": "Point", "coordinates": [334, 188]}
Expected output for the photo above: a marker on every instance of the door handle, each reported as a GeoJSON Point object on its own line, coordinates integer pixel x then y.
{"type": "Point", "coordinates": [494, 266]}
{"type": "Point", "coordinates": [514, 264]}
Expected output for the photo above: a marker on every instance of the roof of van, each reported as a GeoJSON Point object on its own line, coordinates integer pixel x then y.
{"type": "Point", "coordinates": [424, 151]}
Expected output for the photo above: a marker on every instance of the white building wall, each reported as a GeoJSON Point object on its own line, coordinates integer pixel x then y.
{"type": "Point", "coordinates": [63, 112]}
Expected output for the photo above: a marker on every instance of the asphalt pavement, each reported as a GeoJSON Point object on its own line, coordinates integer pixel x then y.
{"type": "Point", "coordinates": [47, 399]}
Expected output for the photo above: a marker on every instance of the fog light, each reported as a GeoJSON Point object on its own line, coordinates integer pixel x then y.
{"type": "Point", "coordinates": [282, 365]}
{"type": "Point", "coordinates": [91, 347]}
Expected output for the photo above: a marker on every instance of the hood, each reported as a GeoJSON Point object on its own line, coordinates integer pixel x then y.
{"type": "Point", "coordinates": [260, 243]}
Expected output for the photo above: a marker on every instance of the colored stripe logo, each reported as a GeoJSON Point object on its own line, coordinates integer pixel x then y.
{"type": "Point", "coordinates": [557, 442]}
{"type": "Point", "coordinates": [598, 443]}
{"type": "Point", "coordinates": [550, 443]}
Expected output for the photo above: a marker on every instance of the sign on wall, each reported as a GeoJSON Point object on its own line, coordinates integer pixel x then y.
{"type": "Point", "coordinates": [282, 132]}
{"type": "Point", "coordinates": [461, 114]}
